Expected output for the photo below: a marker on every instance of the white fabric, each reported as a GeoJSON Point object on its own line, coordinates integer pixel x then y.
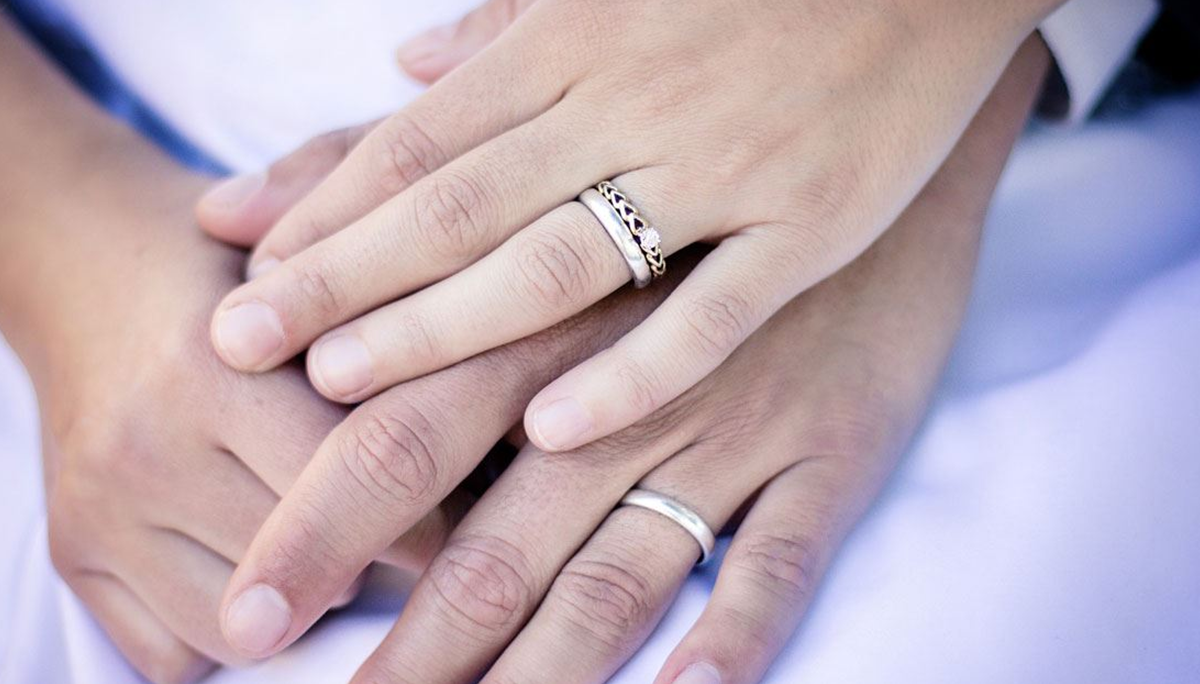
{"type": "Point", "coordinates": [1091, 40]}
{"type": "Point", "coordinates": [1043, 527]}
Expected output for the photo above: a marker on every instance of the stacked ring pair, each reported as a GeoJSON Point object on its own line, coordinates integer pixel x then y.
{"type": "Point", "coordinates": [635, 239]}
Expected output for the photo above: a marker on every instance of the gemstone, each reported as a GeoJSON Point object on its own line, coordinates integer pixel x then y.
{"type": "Point", "coordinates": [650, 238]}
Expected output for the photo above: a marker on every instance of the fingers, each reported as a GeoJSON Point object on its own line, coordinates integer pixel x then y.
{"type": "Point", "coordinates": [227, 528]}
{"type": "Point", "coordinates": [490, 577]}
{"type": "Point", "coordinates": [375, 476]}
{"type": "Point", "coordinates": [276, 436]}
{"type": "Point", "coordinates": [468, 108]}
{"type": "Point", "coordinates": [726, 298]}
{"type": "Point", "coordinates": [768, 576]}
{"type": "Point", "coordinates": [546, 273]}
{"type": "Point", "coordinates": [442, 224]}
{"type": "Point", "coordinates": [240, 210]}
{"type": "Point", "coordinates": [181, 581]}
{"type": "Point", "coordinates": [604, 603]}
{"type": "Point", "coordinates": [147, 643]}
{"type": "Point", "coordinates": [431, 55]}
{"type": "Point", "coordinates": [391, 462]}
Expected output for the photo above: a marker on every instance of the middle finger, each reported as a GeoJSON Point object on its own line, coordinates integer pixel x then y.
{"type": "Point", "coordinates": [561, 264]}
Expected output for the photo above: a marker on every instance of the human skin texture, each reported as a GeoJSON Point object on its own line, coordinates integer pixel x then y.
{"type": "Point", "coordinates": [787, 134]}
{"type": "Point", "coordinates": [544, 581]}
{"type": "Point", "coordinates": [160, 462]}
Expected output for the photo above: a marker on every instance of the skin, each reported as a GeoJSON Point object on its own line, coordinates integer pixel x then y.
{"type": "Point", "coordinates": [65, 274]}
{"type": "Point", "coordinates": [543, 580]}
{"type": "Point", "coordinates": [161, 463]}
{"type": "Point", "coordinates": [451, 230]}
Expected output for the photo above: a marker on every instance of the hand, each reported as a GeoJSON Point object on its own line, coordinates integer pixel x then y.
{"type": "Point", "coordinates": [160, 462]}
{"type": "Point", "coordinates": [545, 580]}
{"type": "Point", "coordinates": [791, 134]}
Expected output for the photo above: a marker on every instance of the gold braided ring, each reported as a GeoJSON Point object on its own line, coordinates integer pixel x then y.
{"type": "Point", "coordinates": [647, 237]}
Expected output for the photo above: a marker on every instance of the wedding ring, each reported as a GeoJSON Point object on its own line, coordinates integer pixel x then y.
{"type": "Point", "coordinates": [626, 244]}
{"type": "Point", "coordinates": [679, 514]}
{"type": "Point", "coordinates": [648, 238]}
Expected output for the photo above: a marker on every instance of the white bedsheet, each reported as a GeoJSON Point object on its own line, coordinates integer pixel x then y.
{"type": "Point", "coordinates": [1044, 527]}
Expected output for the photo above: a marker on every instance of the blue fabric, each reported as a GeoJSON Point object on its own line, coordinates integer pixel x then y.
{"type": "Point", "coordinates": [61, 42]}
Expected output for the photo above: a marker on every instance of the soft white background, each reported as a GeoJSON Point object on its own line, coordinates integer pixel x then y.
{"type": "Point", "coordinates": [1043, 527]}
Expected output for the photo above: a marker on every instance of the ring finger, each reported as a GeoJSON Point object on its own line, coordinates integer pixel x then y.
{"type": "Point", "coordinates": [558, 266]}
{"type": "Point", "coordinates": [494, 573]}
{"type": "Point", "coordinates": [609, 597]}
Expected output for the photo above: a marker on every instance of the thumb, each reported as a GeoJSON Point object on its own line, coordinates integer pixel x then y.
{"type": "Point", "coordinates": [240, 210]}
{"type": "Point", "coordinates": [431, 55]}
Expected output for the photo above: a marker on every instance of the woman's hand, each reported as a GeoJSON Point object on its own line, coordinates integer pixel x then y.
{"type": "Point", "coordinates": [790, 133]}
{"type": "Point", "coordinates": [547, 580]}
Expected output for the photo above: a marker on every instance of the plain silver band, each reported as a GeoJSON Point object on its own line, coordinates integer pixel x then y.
{"type": "Point", "coordinates": [621, 237]}
{"type": "Point", "coordinates": [679, 514]}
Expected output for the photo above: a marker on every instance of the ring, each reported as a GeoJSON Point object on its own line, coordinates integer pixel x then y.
{"type": "Point", "coordinates": [648, 238]}
{"type": "Point", "coordinates": [678, 513]}
{"type": "Point", "coordinates": [607, 215]}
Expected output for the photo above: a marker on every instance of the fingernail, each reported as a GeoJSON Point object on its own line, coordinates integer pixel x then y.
{"type": "Point", "coordinates": [425, 44]}
{"type": "Point", "coordinates": [248, 334]}
{"type": "Point", "coordinates": [234, 192]}
{"type": "Point", "coordinates": [342, 365]}
{"type": "Point", "coordinates": [699, 673]}
{"type": "Point", "coordinates": [257, 620]}
{"type": "Point", "coordinates": [560, 423]}
{"type": "Point", "coordinates": [257, 268]}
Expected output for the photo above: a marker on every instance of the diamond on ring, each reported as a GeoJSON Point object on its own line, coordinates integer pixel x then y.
{"type": "Point", "coordinates": [648, 239]}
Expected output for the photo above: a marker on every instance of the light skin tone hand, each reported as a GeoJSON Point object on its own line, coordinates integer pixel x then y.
{"type": "Point", "coordinates": [162, 463]}
{"type": "Point", "coordinates": [545, 582]}
{"type": "Point", "coordinates": [449, 230]}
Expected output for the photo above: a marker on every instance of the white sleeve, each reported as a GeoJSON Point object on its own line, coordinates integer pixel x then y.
{"type": "Point", "coordinates": [1090, 41]}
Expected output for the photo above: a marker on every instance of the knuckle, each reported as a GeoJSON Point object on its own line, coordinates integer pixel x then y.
{"type": "Point", "coordinates": [391, 457]}
{"type": "Point", "coordinates": [553, 273]}
{"type": "Point", "coordinates": [485, 583]}
{"type": "Point", "coordinates": [308, 546]}
{"type": "Point", "coordinates": [320, 287]}
{"type": "Point", "coordinates": [609, 602]}
{"type": "Point", "coordinates": [409, 153]}
{"type": "Point", "coordinates": [851, 427]}
{"type": "Point", "coordinates": [450, 213]}
{"type": "Point", "coordinates": [787, 566]}
{"type": "Point", "coordinates": [826, 209]}
{"type": "Point", "coordinates": [331, 145]}
{"type": "Point", "coordinates": [716, 323]}
{"type": "Point", "coordinates": [102, 451]}
{"type": "Point", "coordinates": [64, 552]}
{"type": "Point", "coordinates": [641, 386]}
{"type": "Point", "coordinates": [420, 343]}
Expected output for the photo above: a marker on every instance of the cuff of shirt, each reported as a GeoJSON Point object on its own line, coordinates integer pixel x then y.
{"type": "Point", "coordinates": [1090, 41]}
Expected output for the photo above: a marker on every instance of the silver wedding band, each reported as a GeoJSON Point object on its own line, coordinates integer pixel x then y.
{"type": "Point", "coordinates": [679, 514]}
{"type": "Point", "coordinates": [621, 237]}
